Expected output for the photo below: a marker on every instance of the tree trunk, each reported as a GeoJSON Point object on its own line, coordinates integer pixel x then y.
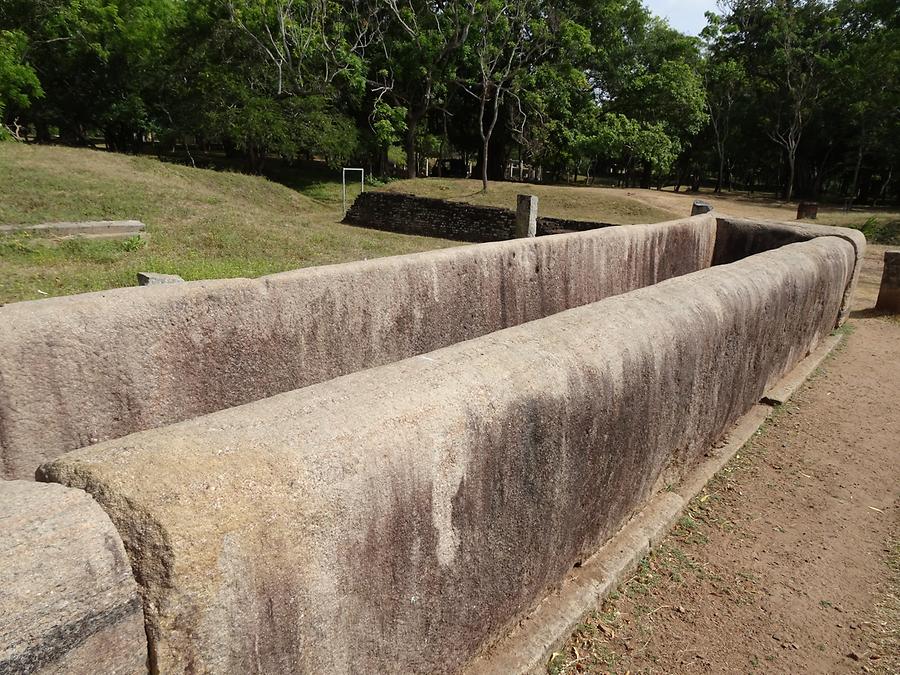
{"type": "Point", "coordinates": [721, 177]}
{"type": "Point", "coordinates": [854, 186]}
{"type": "Point", "coordinates": [42, 132]}
{"type": "Point", "coordinates": [789, 192]}
{"type": "Point", "coordinates": [444, 139]}
{"type": "Point", "coordinates": [484, 167]}
{"type": "Point", "coordinates": [411, 123]}
{"type": "Point", "coordinates": [646, 177]}
{"type": "Point", "coordinates": [486, 133]}
{"type": "Point", "coordinates": [883, 191]}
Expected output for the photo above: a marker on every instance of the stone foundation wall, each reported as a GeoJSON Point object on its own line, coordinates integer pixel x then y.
{"type": "Point", "coordinates": [409, 214]}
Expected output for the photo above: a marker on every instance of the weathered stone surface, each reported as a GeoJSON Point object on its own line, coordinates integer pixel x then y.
{"type": "Point", "coordinates": [889, 292]}
{"type": "Point", "coordinates": [526, 215]}
{"type": "Point", "coordinates": [400, 518]}
{"type": "Point", "coordinates": [154, 278]}
{"type": "Point", "coordinates": [737, 238]}
{"type": "Point", "coordinates": [68, 600]}
{"type": "Point", "coordinates": [120, 228]}
{"type": "Point", "coordinates": [699, 206]}
{"type": "Point", "coordinates": [80, 369]}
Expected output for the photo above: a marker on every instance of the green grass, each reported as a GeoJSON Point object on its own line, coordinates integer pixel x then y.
{"type": "Point", "coordinates": [884, 231]}
{"type": "Point", "coordinates": [607, 205]}
{"type": "Point", "coordinates": [211, 224]}
{"type": "Point", "coordinates": [202, 224]}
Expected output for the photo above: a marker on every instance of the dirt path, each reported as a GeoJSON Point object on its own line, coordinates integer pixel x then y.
{"type": "Point", "coordinates": [790, 560]}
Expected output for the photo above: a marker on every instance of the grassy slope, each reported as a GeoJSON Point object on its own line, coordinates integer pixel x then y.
{"type": "Point", "coordinates": [202, 224]}
{"type": "Point", "coordinates": [634, 205]}
{"type": "Point", "coordinates": [208, 224]}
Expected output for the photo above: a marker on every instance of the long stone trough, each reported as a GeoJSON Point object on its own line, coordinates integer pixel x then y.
{"type": "Point", "coordinates": [383, 466]}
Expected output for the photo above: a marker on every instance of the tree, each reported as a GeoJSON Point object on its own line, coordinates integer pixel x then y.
{"type": "Point", "coordinates": [724, 82]}
{"type": "Point", "coordinates": [413, 50]}
{"type": "Point", "coordinates": [67, 48]}
{"type": "Point", "coordinates": [865, 73]}
{"type": "Point", "coordinates": [224, 88]}
{"type": "Point", "coordinates": [536, 54]}
{"type": "Point", "coordinates": [19, 84]}
{"type": "Point", "coordinates": [630, 141]}
{"type": "Point", "coordinates": [504, 34]}
{"type": "Point", "coordinates": [781, 43]}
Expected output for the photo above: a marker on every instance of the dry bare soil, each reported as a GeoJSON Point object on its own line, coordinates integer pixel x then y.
{"type": "Point", "coordinates": [789, 561]}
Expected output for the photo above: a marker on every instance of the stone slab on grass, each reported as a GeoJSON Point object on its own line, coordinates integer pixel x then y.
{"type": "Point", "coordinates": [80, 227]}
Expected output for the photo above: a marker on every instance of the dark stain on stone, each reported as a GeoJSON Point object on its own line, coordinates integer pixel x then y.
{"type": "Point", "coordinates": [59, 640]}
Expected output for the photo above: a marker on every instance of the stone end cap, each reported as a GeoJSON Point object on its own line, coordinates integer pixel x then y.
{"type": "Point", "coordinates": [68, 589]}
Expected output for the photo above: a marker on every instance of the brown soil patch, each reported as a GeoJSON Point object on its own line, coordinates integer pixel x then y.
{"type": "Point", "coordinates": [789, 561]}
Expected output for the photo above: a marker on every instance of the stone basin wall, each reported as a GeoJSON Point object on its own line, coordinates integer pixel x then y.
{"type": "Point", "coordinates": [401, 518]}
{"type": "Point", "coordinates": [460, 221]}
{"type": "Point", "coordinates": [81, 369]}
{"type": "Point", "coordinates": [411, 470]}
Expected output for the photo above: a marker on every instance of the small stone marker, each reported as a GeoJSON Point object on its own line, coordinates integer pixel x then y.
{"type": "Point", "coordinates": [526, 215]}
{"type": "Point", "coordinates": [154, 279]}
{"type": "Point", "coordinates": [889, 293]}
{"type": "Point", "coordinates": [807, 210]}
{"type": "Point", "coordinates": [699, 206]}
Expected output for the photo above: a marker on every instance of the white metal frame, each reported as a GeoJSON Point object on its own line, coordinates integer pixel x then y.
{"type": "Point", "coordinates": [362, 183]}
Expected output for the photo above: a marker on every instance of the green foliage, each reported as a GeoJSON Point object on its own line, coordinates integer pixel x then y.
{"type": "Point", "coordinates": [880, 231]}
{"type": "Point", "coordinates": [388, 123]}
{"type": "Point", "coordinates": [810, 81]}
{"type": "Point", "coordinates": [19, 84]}
{"type": "Point", "coordinates": [674, 97]}
{"type": "Point", "coordinates": [133, 243]}
{"type": "Point", "coordinates": [396, 155]}
{"type": "Point", "coordinates": [632, 141]}
{"type": "Point", "coordinates": [799, 94]}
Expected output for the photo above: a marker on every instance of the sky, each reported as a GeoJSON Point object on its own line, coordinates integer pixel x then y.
{"type": "Point", "coordinates": [683, 15]}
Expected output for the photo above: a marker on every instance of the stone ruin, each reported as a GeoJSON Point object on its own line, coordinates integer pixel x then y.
{"type": "Point", "coordinates": [379, 466]}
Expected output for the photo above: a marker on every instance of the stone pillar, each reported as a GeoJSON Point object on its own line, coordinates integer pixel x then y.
{"type": "Point", "coordinates": [807, 210]}
{"type": "Point", "coordinates": [526, 216]}
{"type": "Point", "coordinates": [699, 206]}
{"type": "Point", "coordinates": [889, 294]}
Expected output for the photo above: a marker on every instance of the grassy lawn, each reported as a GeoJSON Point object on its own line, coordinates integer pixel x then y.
{"type": "Point", "coordinates": [202, 224]}
{"type": "Point", "coordinates": [606, 205]}
{"type": "Point", "coordinates": [634, 205]}
{"type": "Point", "coordinates": [210, 224]}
